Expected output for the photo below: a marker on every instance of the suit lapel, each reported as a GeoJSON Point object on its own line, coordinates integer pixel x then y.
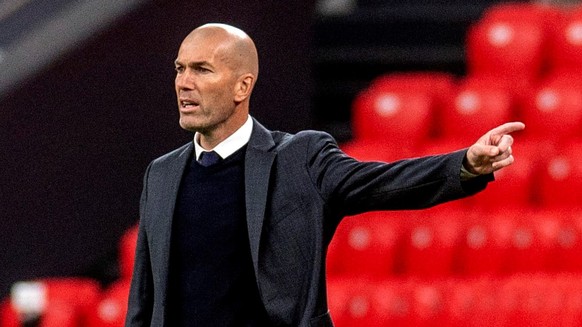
{"type": "Point", "coordinates": [258, 162]}
{"type": "Point", "coordinates": [171, 175]}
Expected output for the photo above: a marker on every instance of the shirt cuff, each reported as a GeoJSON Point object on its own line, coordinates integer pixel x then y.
{"type": "Point", "coordinates": [466, 175]}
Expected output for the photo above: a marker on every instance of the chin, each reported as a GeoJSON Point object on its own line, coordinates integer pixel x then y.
{"type": "Point", "coordinates": [189, 126]}
{"type": "Point", "coordinates": [193, 127]}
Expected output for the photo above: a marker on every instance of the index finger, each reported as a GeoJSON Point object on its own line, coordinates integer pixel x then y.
{"type": "Point", "coordinates": [508, 128]}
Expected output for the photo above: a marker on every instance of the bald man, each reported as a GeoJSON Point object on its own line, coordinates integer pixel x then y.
{"type": "Point", "coordinates": [234, 226]}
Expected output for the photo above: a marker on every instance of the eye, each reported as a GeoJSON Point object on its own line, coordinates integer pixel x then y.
{"type": "Point", "coordinates": [202, 69]}
{"type": "Point", "coordinates": [179, 69]}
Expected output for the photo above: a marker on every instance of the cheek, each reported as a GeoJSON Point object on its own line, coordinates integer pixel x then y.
{"type": "Point", "coordinates": [220, 95]}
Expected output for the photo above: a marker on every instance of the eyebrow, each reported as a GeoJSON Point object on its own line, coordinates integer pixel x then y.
{"type": "Point", "coordinates": [192, 64]}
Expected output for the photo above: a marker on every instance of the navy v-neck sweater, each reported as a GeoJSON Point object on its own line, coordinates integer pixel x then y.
{"type": "Point", "coordinates": [212, 282]}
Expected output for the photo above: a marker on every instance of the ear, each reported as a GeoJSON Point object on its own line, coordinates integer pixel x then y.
{"type": "Point", "coordinates": [244, 87]}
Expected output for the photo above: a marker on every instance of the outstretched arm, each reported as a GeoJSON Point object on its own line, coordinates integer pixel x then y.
{"type": "Point", "coordinates": [493, 150]}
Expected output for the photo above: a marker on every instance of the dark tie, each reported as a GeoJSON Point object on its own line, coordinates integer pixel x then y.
{"type": "Point", "coordinates": [208, 158]}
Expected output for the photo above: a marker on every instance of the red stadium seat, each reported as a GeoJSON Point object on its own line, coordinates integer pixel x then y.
{"type": "Point", "coordinates": [339, 292]}
{"type": "Point", "coordinates": [562, 232]}
{"type": "Point", "coordinates": [66, 302]}
{"type": "Point", "coordinates": [504, 16]}
{"type": "Point", "coordinates": [566, 44]}
{"type": "Point", "coordinates": [432, 241]}
{"type": "Point", "coordinates": [80, 293]}
{"type": "Point", "coordinates": [61, 314]}
{"type": "Point", "coordinates": [127, 246]}
{"type": "Point", "coordinates": [531, 243]}
{"type": "Point", "coordinates": [365, 245]}
{"type": "Point", "coordinates": [427, 301]}
{"type": "Point", "coordinates": [549, 229]}
{"type": "Point", "coordinates": [511, 48]}
{"type": "Point", "coordinates": [554, 111]}
{"type": "Point", "coordinates": [546, 15]}
{"type": "Point", "coordinates": [561, 177]}
{"type": "Point", "coordinates": [402, 118]}
{"type": "Point", "coordinates": [512, 295]}
{"type": "Point", "coordinates": [478, 105]}
{"type": "Point", "coordinates": [112, 307]}
{"type": "Point", "coordinates": [440, 86]}
{"type": "Point", "coordinates": [355, 302]}
{"type": "Point", "coordinates": [472, 302]}
{"type": "Point", "coordinates": [486, 244]}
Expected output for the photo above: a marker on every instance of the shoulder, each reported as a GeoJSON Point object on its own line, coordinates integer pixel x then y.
{"type": "Point", "coordinates": [306, 138]}
{"type": "Point", "coordinates": [265, 139]}
{"type": "Point", "coordinates": [184, 150]}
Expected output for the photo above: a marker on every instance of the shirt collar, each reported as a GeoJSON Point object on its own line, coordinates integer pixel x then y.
{"type": "Point", "coordinates": [231, 144]}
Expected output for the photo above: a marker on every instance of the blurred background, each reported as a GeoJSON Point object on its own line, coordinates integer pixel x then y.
{"type": "Point", "coordinates": [87, 101]}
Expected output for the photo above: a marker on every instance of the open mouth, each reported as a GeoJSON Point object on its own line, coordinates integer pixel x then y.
{"type": "Point", "coordinates": [188, 104]}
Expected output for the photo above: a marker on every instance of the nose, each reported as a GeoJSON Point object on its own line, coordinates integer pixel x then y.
{"type": "Point", "coordinates": [184, 81]}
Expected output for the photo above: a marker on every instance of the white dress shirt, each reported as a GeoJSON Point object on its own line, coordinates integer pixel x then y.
{"type": "Point", "coordinates": [231, 144]}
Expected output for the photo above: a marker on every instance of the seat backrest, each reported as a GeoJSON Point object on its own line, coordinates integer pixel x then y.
{"type": "Point", "coordinates": [478, 104]}
{"type": "Point", "coordinates": [389, 113]}
{"type": "Point", "coordinates": [431, 243]}
{"type": "Point", "coordinates": [561, 177]}
{"type": "Point", "coordinates": [506, 47]}
{"type": "Point", "coordinates": [554, 112]}
{"type": "Point", "coordinates": [365, 245]}
{"type": "Point", "coordinates": [112, 307]}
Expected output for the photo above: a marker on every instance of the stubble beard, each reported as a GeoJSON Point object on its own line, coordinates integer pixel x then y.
{"type": "Point", "coordinates": [201, 123]}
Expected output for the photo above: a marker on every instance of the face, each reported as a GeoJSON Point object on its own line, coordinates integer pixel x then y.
{"type": "Point", "coordinates": [205, 85]}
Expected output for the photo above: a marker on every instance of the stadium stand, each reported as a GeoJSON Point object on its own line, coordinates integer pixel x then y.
{"type": "Point", "coordinates": [509, 256]}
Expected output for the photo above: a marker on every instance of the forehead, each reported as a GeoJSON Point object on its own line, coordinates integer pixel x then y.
{"type": "Point", "coordinates": [202, 48]}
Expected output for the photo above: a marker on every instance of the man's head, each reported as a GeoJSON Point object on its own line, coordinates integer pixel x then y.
{"type": "Point", "coordinates": [216, 69]}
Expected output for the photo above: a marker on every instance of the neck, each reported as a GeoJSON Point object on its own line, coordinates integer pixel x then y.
{"type": "Point", "coordinates": [209, 139]}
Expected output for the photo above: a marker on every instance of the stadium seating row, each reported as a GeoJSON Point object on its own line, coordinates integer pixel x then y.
{"type": "Point", "coordinates": [446, 241]}
{"type": "Point", "coordinates": [518, 300]}
{"type": "Point", "coordinates": [525, 41]}
{"type": "Point", "coordinates": [411, 110]}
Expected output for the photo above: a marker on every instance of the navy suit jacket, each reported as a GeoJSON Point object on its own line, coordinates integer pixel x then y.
{"type": "Point", "coordinates": [298, 188]}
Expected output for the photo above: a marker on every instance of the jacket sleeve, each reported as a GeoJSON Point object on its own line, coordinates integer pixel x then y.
{"type": "Point", "coordinates": [354, 187]}
{"type": "Point", "coordinates": [140, 302]}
